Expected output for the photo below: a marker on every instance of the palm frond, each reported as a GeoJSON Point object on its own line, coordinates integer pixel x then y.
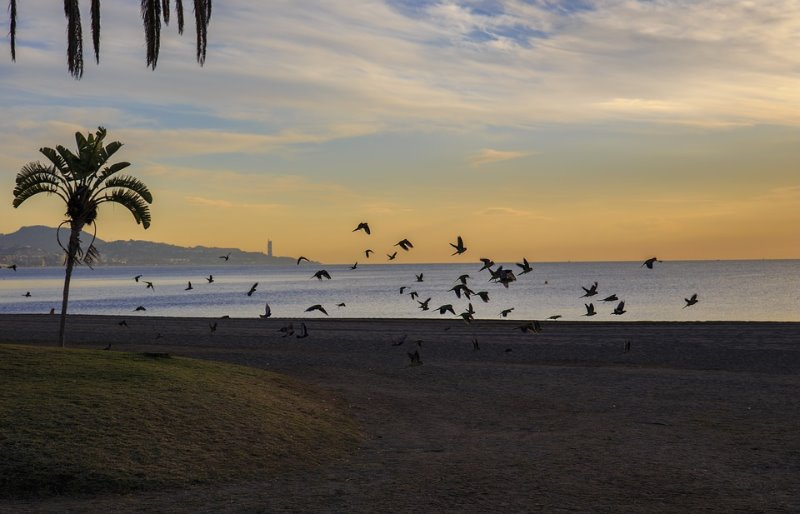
{"type": "Point", "coordinates": [179, 13]}
{"type": "Point", "coordinates": [34, 174]}
{"type": "Point", "coordinates": [109, 171]}
{"type": "Point", "coordinates": [202, 15]}
{"type": "Point", "coordinates": [55, 158]}
{"type": "Point", "coordinates": [165, 11]}
{"type": "Point", "coordinates": [42, 187]}
{"type": "Point", "coordinates": [151, 16]}
{"type": "Point", "coordinates": [131, 201]}
{"type": "Point", "coordinates": [130, 183]}
{"type": "Point", "coordinates": [12, 29]}
{"type": "Point", "coordinates": [96, 29]}
{"type": "Point", "coordinates": [74, 38]}
{"type": "Point", "coordinates": [71, 162]}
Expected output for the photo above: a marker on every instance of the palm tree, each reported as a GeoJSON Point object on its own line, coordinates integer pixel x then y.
{"type": "Point", "coordinates": [83, 182]}
{"type": "Point", "coordinates": [153, 12]}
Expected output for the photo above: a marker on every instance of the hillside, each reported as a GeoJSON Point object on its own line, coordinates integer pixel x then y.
{"type": "Point", "coordinates": [37, 246]}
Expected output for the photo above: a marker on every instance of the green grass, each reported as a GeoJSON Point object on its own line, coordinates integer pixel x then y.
{"type": "Point", "coordinates": [90, 422]}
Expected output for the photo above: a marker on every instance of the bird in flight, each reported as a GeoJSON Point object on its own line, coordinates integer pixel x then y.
{"type": "Point", "coordinates": [463, 279]}
{"type": "Point", "coordinates": [405, 244]}
{"type": "Point", "coordinates": [506, 312]}
{"type": "Point", "coordinates": [123, 323]}
{"type": "Point", "coordinates": [589, 309]}
{"type": "Point", "coordinates": [649, 262]}
{"type": "Point", "coordinates": [446, 307]}
{"type": "Point", "coordinates": [189, 287]}
{"type": "Point", "coordinates": [267, 312]}
{"type": "Point", "coordinates": [402, 289]}
{"type": "Point", "coordinates": [419, 277]}
{"type": "Point", "coordinates": [526, 267]}
{"type": "Point", "coordinates": [252, 289]}
{"type": "Point", "coordinates": [321, 274]}
{"type": "Point", "coordinates": [367, 252]}
{"type": "Point", "coordinates": [210, 279]}
{"type": "Point", "coordinates": [362, 226]}
{"type": "Point", "coordinates": [459, 247]}
{"type": "Point", "coordinates": [139, 309]}
{"type": "Point", "coordinates": [303, 331]}
{"type": "Point", "coordinates": [612, 298]}
{"type": "Point", "coordinates": [301, 258]}
{"type": "Point", "coordinates": [487, 263]}
{"type": "Point", "coordinates": [460, 289]}
{"type": "Point", "coordinates": [554, 317]}
{"type": "Point", "coordinates": [342, 304]}
{"type": "Point", "coordinates": [483, 295]}
{"type": "Point", "coordinates": [137, 277]}
{"type": "Point", "coordinates": [317, 307]}
{"type": "Point", "coordinates": [619, 309]}
{"type": "Point", "coordinates": [226, 257]}
{"type": "Point", "coordinates": [12, 267]}
{"type": "Point", "coordinates": [27, 295]}
{"type": "Point", "coordinates": [413, 295]}
{"type": "Point", "coordinates": [690, 301]}
{"type": "Point", "coordinates": [591, 291]}
{"type": "Point", "coordinates": [213, 327]}
{"type": "Point", "coordinates": [424, 305]}
{"type": "Point", "coordinates": [391, 256]}
{"type": "Point", "coordinates": [149, 285]}
{"type": "Point", "coordinates": [354, 266]}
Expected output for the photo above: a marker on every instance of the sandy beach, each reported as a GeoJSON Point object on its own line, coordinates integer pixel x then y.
{"type": "Point", "coordinates": [696, 416]}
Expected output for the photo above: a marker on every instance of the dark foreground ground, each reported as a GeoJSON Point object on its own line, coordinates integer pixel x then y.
{"type": "Point", "coordinates": [695, 417]}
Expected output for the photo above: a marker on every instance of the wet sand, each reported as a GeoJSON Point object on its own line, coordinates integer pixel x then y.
{"type": "Point", "coordinates": [696, 416]}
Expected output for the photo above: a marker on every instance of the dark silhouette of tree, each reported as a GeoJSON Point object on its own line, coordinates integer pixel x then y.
{"type": "Point", "coordinates": [153, 12]}
{"type": "Point", "coordinates": [83, 182]}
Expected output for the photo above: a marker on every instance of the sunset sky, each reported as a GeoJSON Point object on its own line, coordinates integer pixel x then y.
{"type": "Point", "coordinates": [554, 130]}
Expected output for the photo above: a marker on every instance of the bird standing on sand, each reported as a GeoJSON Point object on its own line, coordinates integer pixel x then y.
{"type": "Point", "coordinates": [591, 291]}
{"type": "Point", "coordinates": [27, 295]}
{"type": "Point", "coordinates": [317, 307]}
{"type": "Point", "coordinates": [354, 266]}
{"type": "Point", "coordinates": [649, 262]}
{"type": "Point", "coordinates": [619, 309]}
{"type": "Point", "coordinates": [362, 226]}
{"type": "Point", "coordinates": [415, 360]}
{"type": "Point", "coordinates": [459, 247]}
{"type": "Point", "coordinates": [123, 323]}
{"type": "Point", "coordinates": [252, 289]}
{"type": "Point", "coordinates": [213, 327]}
{"type": "Point", "coordinates": [321, 274]}
{"type": "Point", "coordinates": [690, 301]}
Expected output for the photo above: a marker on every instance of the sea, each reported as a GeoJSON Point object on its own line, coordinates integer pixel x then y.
{"type": "Point", "coordinates": [752, 290]}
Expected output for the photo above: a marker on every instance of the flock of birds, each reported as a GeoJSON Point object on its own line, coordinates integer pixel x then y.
{"type": "Point", "coordinates": [461, 289]}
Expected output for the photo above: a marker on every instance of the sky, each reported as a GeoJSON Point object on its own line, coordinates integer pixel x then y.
{"type": "Point", "coordinates": [556, 130]}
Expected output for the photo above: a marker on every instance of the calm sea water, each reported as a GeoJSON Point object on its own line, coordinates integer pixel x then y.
{"type": "Point", "coordinates": [727, 290]}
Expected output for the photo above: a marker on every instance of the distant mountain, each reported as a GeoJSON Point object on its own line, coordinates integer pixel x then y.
{"type": "Point", "coordinates": [37, 246]}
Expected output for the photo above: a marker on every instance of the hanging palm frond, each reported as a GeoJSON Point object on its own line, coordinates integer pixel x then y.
{"type": "Point", "coordinates": [151, 16]}
{"type": "Point", "coordinates": [12, 31]}
{"type": "Point", "coordinates": [179, 12]}
{"type": "Point", "coordinates": [74, 38]}
{"type": "Point", "coordinates": [165, 11]}
{"type": "Point", "coordinates": [96, 29]}
{"type": "Point", "coordinates": [202, 15]}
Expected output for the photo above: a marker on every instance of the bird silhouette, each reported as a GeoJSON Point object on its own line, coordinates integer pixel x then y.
{"type": "Point", "coordinates": [690, 301]}
{"type": "Point", "coordinates": [137, 277]}
{"type": "Point", "coordinates": [27, 295]}
{"type": "Point", "coordinates": [391, 256]}
{"type": "Point", "coordinates": [321, 274]}
{"type": "Point", "coordinates": [123, 323]}
{"type": "Point", "coordinates": [213, 327]}
{"type": "Point", "coordinates": [612, 298]}
{"type": "Point", "coordinates": [487, 263]}
{"type": "Point", "coordinates": [210, 279]}
{"type": "Point", "coordinates": [405, 244]}
{"type": "Point", "coordinates": [367, 252]}
{"type": "Point", "coordinates": [52, 310]}
{"type": "Point", "coordinates": [13, 267]}
{"type": "Point", "coordinates": [619, 309]}
{"type": "Point", "coordinates": [354, 266]}
{"type": "Point", "coordinates": [149, 285]}
{"type": "Point", "coordinates": [424, 305]}
{"type": "Point", "coordinates": [340, 305]}
{"type": "Point", "coordinates": [419, 277]}
{"type": "Point", "coordinates": [415, 359]}
{"type": "Point", "coordinates": [362, 226]}
{"type": "Point", "coordinates": [589, 309]}
{"type": "Point", "coordinates": [503, 276]}
{"type": "Point", "coordinates": [649, 262]}
{"type": "Point", "coordinates": [591, 291]}
{"type": "Point", "coordinates": [413, 295]}
{"type": "Point", "coordinates": [506, 312]}
{"type": "Point", "coordinates": [303, 331]}
{"type": "Point", "coordinates": [252, 289]}
{"type": "Point", "coordinates": [446, 307]}
{"type": "Point", "coordinates": [459, 247]}
{"type": "Point", "coordinates": [226, 257]}
{"type": "Point", "coordinates": [483, 295]}
{"type": "Point", "coordinates": [463, 278]}
{"type": "Point", "coordinates": [139, 308]}
{"type": "Point", "coordinates": [317, 307]}
{"type": "Point", "coordinates": [554, 317]}
{"type": "Point", "coordinates": [526, 267]}
{"type": "Point", "coordinates": [189, 287]}
{"type": "Point", "coordinates": [301, 258]}
{"type": "Point", "coordinates": [267, 311]}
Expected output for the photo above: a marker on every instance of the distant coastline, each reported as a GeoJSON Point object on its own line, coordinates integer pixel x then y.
{"type": "Point", "coordinates": [37, 246]}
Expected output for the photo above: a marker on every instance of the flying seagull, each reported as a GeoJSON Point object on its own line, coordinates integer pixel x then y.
{"type": "Point", "coordinates": [149, 285]}
{"type": "Point", "coordinates": [419, 277]}
{"type": "Point", "coordinates": [487, 263]}
{"type": "Point", "coordinates": [589, 309]}
{"type": "Point", "coordinates": [506, 312]}
{"type": "Point", "coordinates": [252, 289]}
{"type": "Point", "coordinates": [267, 312]}
{"type": "Point", "coordinates": [446, 307]}
{"type": "Point", "coordinates": [367, 252]}
{"type": "Point", "coordinates": [413, 295]}
{"type": "Point", "coordinates": [320, 274]}
{"type": "Point", "coordinates": [591, 291]}
{"type": "Point", "coordinates": [484, 295]}
{"type": "Point", "coordinates": [459, 247]}
{"type": "Point", "coordinates": [226, 257]}
{"type": "Point", "coordinates": [405, 244]}
{"type": "Point", "coordinates": [301, 258]}
{"type": "Point", "coordinates": [189, 287]}
{"type": "Point", "coordinates": [526, 267]}
{"type": "Point", "coordinates": [690, 301]}
{"type": "Point", "coordinates": [210, 279]}
{"type": "Point", "coordinates": [391, 256]}
{"type": "Point", "coordinates": [619, 309]}
{"type": "Point", "coordinates": [649, 262]}
{"type": "Point", "coordinates": [137, 277]}
{"type": "Point", "coordinates": [362, 226]}
{"type": "Point", "coordinates": [612, 298]}
{"type": "Point", "coordinates": [139, 308]}
{"type": "Point", "coordinates": [463, 279]}
{"type": "Point", "coordinates": [424, 305]}
{"type": "Point", "coordinates": [317, 307]}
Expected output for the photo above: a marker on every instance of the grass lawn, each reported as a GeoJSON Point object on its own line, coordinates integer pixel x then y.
{"type": "Point", "coordinates": [89, 422]}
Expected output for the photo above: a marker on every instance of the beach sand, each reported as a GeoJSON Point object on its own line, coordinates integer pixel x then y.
{"type": "Point", "coordinates": [696, 416]}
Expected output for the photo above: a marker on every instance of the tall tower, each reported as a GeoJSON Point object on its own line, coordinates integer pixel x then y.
{"type": "Point", "coordinates": [269, 247]}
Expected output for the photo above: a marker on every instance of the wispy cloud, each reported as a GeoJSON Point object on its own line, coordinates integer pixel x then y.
{"type": "Point", "coordinates": [489, 156]}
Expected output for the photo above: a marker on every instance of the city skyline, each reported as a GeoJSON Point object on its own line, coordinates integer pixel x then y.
{"type": "Point", "coordinates": [554, 131]}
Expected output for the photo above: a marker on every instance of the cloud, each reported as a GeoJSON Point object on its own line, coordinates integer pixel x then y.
{"type": "Point", "coordinates": [489, 156]}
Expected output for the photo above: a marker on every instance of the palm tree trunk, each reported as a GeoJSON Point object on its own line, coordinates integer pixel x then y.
{"type": "Point", "coordinates": [72, 250]}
